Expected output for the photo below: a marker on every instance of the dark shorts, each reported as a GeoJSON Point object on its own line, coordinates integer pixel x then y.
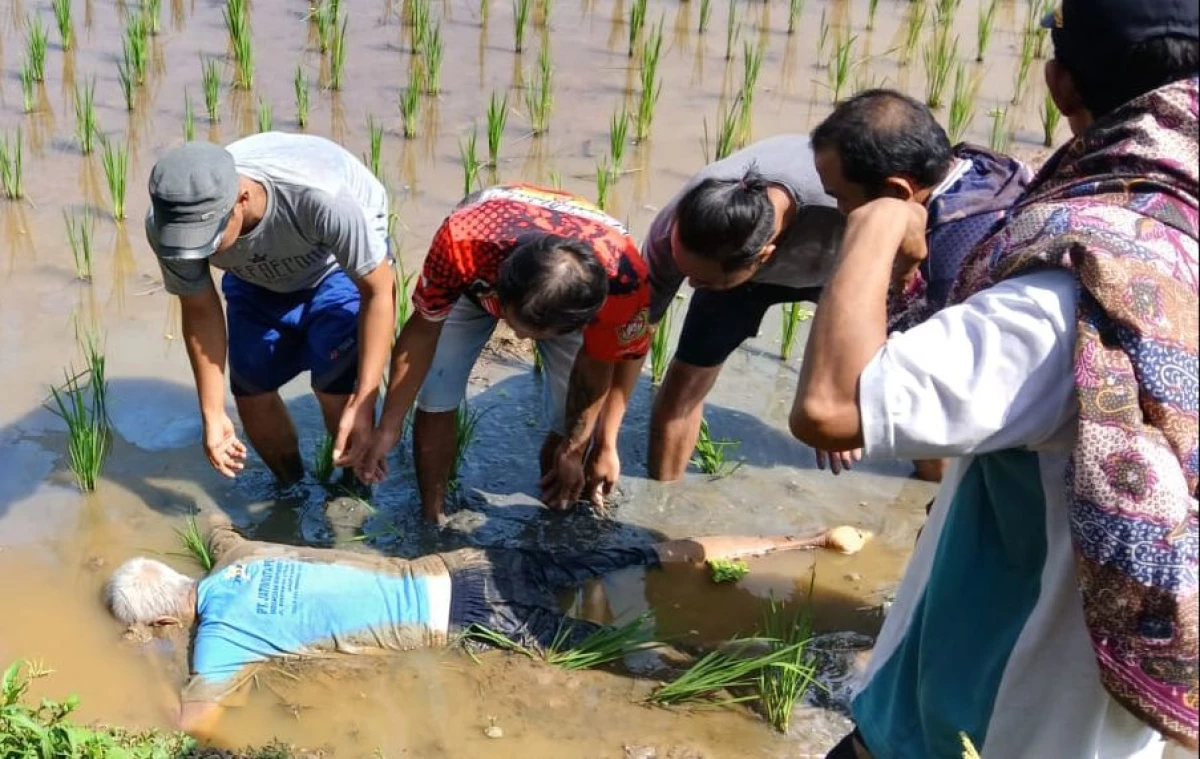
{"type": "Point", "coordinates": [275, 336]}
{"type": "Point", "coordinates": [850, 747]}
{"type": "Point", "coordinates": [718, 321]}
{"type": "Point", "coordinates": [513, 591]}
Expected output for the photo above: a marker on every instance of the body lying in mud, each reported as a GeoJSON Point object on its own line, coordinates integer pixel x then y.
{"type": "Point", "coordinates": [266, 602]}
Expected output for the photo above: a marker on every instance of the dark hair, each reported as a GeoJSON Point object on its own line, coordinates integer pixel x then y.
{"type": "Point", "coordinates": [882, 133]}
{"type": "Point", "coordinates": [553, 283]}
{"type": "Point", "coordinates": [1106, 83]}
{"type": "Point", "coordinates": [726, 220]}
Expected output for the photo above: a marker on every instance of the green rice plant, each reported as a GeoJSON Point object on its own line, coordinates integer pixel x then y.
{"type": "Point", "coordinates": [1051, 116]}
{"type": "Point", "coordinates": [326, 22]}
{"type": "Point", "coordinates": [651, 84]}
{"type": "Point", "coordinates": [872, 9]}
{"type": "Point", "coordinates": [62, 16]}
{"type": "Point", "coordinates": [266, 120]}
{"type": "Point", "coordinates": [189, 118]}
{"type": "Point", "coordinates": [212, 89]}
{"type": "Point", "coordinates": [434, 50]}
{"type": "Point", "coordinates": [374, 156]}
{"type": "Point", "coordinates": [114, 156]}
{"type": "Point", "coordinates": [543, 14]}
{"type": "Point", "coordinates": [466, 422]}
{"type": "Point", "coordinates": [710, 453]}
{"type": "Point", "coordinates": [822, 36]}
{"type": "Point", "coordinates": [137, 46]}
{"type": "Point", "coordinates": [196, 544]}
{"type": "Point", "coordinates": [12, 166]}
{"type": "Point", "coordinates": [80, 231]}
{"type": "Point", "coordinates": [93, 355]}
{"type": "Point", "coordinates": [637, 20]}
{"type": "Point", "coordinates": [36, 42]}
{"type": "Point", "coordinates": [539, 95]}
{"type": "Point", "coordinates": [604, 646]}
{"type": "Point", "coordinates": [984, 27]}
{"type": "Point", "coordinates": [724, 670]}
{"type": "Point", "coordinates": [706, 15]}
{"type": "Point", "coordinates": [128, 81]}
{"type": "Point", "coordinates": [1000, 135]}
{"type": "Point", "coordinates": [403, 293]}
{"type": "Point", "coordinates": [520, 23]}
{"type": "Point", "coordinates": [913, 24]}
{"type": "Point", "coordinates": [556, 180]}
{"type": "Point", "coordinates": [841, 66]}
{"type": "Point", "coordinates": [794, 314]}
{"type": "Point", "coordinates": [468, 152]}
{"type": "Point", "coordinates": [781, 687]}
{"type": "Point", "coordinates": [727, 570]}
{"type": "Point", "coordinates": [618, 136]}
{"type": "Point", "coordinates": [731, 29]}
{"type": "Point", "coordinates": [300, 85]}
{"type": "Point", "coordinates": [752, 57]}
{"type": "Point", "coordinates": [322, 466]}
{"type": "Point", "coordinates": [152, 10]}
{"type": "Point", "coordinates": [944, 12]}
{"type": "Point", "coordinates": [660, 346]}
{"type": "Point", "coordinates": [962, 102]}
{"type": "Point", "coordinates": [939, 60]}
{"type": "Point", "coordinates": [29, 103]}
{"type": "Point", "coordinates": [81, 407]}
{"type": "Point", "coordinates": [497, 117]}
{"type": "Point", "coordinates": [728, 127]}
{"type": "Point", "coordinates": [237, 22]}
{"type": "Point", "coordinates": [605, 176]}
{"type": "Point", "coordinates": [410, 100]}
{"type": "Point", "coordinates": [1024, 65]}
{"type": "Point", "coordinates": [337, 57]}
{"type": "Point", "coordinates": [421, 13]}
{"type": "Point", "coordinates": [795, 11]}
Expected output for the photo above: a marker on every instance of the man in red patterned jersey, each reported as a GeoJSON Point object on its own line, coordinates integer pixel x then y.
{"type": "Point", "coordinates": [560, 272]}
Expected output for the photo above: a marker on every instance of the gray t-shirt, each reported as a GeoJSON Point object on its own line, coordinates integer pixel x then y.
{"type": "Point", "coordinates": [805, 251]}
{"type": "Point", "coordinates": [325, 209]}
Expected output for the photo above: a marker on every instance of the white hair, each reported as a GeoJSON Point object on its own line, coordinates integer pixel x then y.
{"type": "Point", "coordinates": [144, 590]}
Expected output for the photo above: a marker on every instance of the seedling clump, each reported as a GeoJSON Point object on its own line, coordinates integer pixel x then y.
{"type": "Point", "coordinates": [727, 570]}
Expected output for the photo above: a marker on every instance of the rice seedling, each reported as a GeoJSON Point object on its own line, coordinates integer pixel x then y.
{"type": "Point", "coordinates": [794, 314]}
{"type": "Point", "coordinates": [706, 15]}
{"type": "Point", "coordinates": [962, 103]}
{"type": "Point", "coordinates": [842, 65]}
{"type": "Point", "coordinates": [727, 570]}
{"type": "Point", "coordinates": [29, 103]}
{"type": "Point", "coordinates": [939, 59]}
{"type": "Point", "coordinates": [780, 687]}
{"type": "Point", "coordinates": [80, 231]}
{"type": "Point", "coordinates": [1000, 135]}
{"type": "Point", "coordinates": [604, 179]}
{"type": "Point", "coordinates": [497, 117]}
{"type": "Point", "coordinates": [556, 180]}
{"type": "Point", "coordinates": [914, 22]}
{"type": "Point", "coordinates": [410, 101]}
{"type": "Point", "coordinates": [751, 66]}
{"type": "Point", "coordinates": [421, 13]}
{"type": "Point", "coordinates": [637, 20]}
{"type": "Point", "coordinates": [325, 20]}
{"type": "Point", "coordinates": [660, 346]}
{"type": "Point", "coordinates": [466, 421]}
{"type": "Point", "coordinates": [728, 126]}
{"type": "Point", "coordinates": [12, 166]}
{"type": "Point", "coordinates": [543, 14]}
{"type": "Point", "coordinates": [81, 407]}
{"type": "Point", "coordinates": [62, 17]}
{"type": "Point", "coordinates": [983, 28]}
{"type": "Point", "coordinates": [266, 120]}
{"type": "Point", "coordinates": [237, 22]}
{"type": "Point", "coordinates": [723, 670]}
{"type": "Point", "coordinates": [127, 78]}
{"type": "Point", "coordinates": [605, 645]}
{"type": "Point", "coordinates": [1024, 66]}
{"type": "Point", "coordinates": [189, 118]}
{"type": "Point", "coordinates": [539, 95]}
{"type": "Point", "coordinates": [944, 13]}
{"type": "Point", "coordinates": [337, 57]}
{"type": "Point", "coordinates": [374, 156]}
{"type": "Point", "coordinates": [196, 544]}
{"type": "Point", "coordinates": [322, 466]}
{"type": "Point", "coordinates": [300, 85]}
{"type": "Point", "coordinates": [468, 152]}
{"type": "Point", "coordinates": [403, 293]}
{"type": "Point", "coordinates": [795, 11]}
{"type": "Point", "coordinates": [36, 41]}
{"type": "Point", "coordinates": [822, 36]}
{"type": "Point", "coordinates": [434, 49]}
{"type": "Point", "coordinates": [520, 23]}
{"type": "Point", "coordinates": [710, 453]}
{"type": "Point", "coordinates": [93, 356]}
{"type": "Point", "coordinates": [137, 46]}
{"type": "Point", "coordinates": [618, 134]}
{"type": "Point", "coordinates": [651, 85]}
{"type": "Point", "coordinates": [872, 9]}
{"type": "Point", "coordinates": [731, 29]}
{"type": "Point", "coordinates": [212, 89]}
{"type": "Point", "coordinates": [1050, 119]}
{"type": "Point", "coordinates": [114, 156]}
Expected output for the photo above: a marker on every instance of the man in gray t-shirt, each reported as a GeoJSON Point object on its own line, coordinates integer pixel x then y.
{"type": "Point", "coordinates": [299, 226]}
{"type": "Point", "coordinates": [748, 232]}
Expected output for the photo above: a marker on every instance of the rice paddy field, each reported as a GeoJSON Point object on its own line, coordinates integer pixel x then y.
{"type": "Point", "coordinates": [618, 100]}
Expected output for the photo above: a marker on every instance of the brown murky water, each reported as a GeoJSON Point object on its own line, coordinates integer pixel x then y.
{"type": "Point", "coordinates": [55, 545]}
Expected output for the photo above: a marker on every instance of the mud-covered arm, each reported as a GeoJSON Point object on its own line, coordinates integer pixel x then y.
{"type": "Point", "coordinates": [222, 538]}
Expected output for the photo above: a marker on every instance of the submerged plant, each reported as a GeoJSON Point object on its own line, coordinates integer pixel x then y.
{"type": "Point", "coordinates": [651, 85]}
{"type": "Point", "coordinates": [914, 22]}
{"type": "Point", "coordinates": [795, 11]}
{"type": "Point", "coordinates": [36, 42]}
{"type": "Point", "coordinates": [794, 314]}
{"type": "Point", "coordinates": [843, 63]}
{"type": "Point", "coordinates": [781, 686]}
{"type": "Point", "coordinates": [983, 28]}
{"type": "Point", "coordinates": [618, 136]}
{"type": "Point", "coordinates": [128, 80]}
{"type": "Point", "coordinates": [710, 453]}
{"type": "Point", "coordinates": [637, 20]}
{"type": "Point", "coordinates": [322, 466]}
{"type": "Point", "coordinates": [421, 16]}
{"type": "Point", "coordinates": [265, 119]}
{"type": "Point", "coordinates": [212, 89]}
{"type": "Point", "coordinates": [115, 159]}
{"type": "Point", "coordinates": [12, 166]}
{"type": "Point", "coordinates": [374, 156]}
{"type": "Point", "coordinates": [962, 103]}
{"type": "Point", "coordinates": [300, 85]}
{"type": "Point", "coordinates": [468, 152]}
{"type": "Point", "coordinates": [466, 421]}
{"type": "Point", "coordinates": [1050, 119]}
{"type": "Point", "coordinates": [62, 16]}
{"type": "Point", "coordinates": [497, 117]}
{"type": "Point", "coordinates": [196, 544]}
{"type": "Point", "coordinates": [520, 23]}
{"type": "Point", "coordinates": [337, 57]}
{"type": "Point", "coordinates": [727, 570]}
{"type": "Point", "coordinates": [27, 99]}
{"type": "Point", "coordinates": [80, 230]}
{"type": "Point", "coordinates": [939, 59]}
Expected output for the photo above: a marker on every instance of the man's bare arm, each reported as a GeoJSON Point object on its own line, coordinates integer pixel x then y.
{"type": "Point", "coordinates": [843, 539]}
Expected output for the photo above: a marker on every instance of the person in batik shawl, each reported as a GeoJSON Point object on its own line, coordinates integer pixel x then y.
{"type": "Point", "coordinates": [1050, 606]}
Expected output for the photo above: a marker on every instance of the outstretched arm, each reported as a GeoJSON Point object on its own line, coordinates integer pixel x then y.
{"type": "Point", "coordinates": [843, 539]}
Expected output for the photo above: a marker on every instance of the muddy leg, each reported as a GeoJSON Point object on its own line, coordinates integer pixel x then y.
{"type": "Point", "coordinates": [433, 455]}
{"type": "Point", "coordinates": [675, 420]}
{"type": "Point", "coordinates": [267, 424]}
{"type": "Point", "coordinates": [843, 539]}
{"type": "Point", "coordinates": [549, 448]}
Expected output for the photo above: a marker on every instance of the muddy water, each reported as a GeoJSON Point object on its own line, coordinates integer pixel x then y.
{"type": "Point", "coordinates": [56, 546]}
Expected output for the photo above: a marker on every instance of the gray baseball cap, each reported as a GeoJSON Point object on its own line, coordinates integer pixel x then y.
{"type": "Point", "coordinates": [193, 189]}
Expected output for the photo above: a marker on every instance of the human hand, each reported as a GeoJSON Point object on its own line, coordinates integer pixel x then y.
{"type": "Point", "coordinates": [603, 471]}
{"type": "Point", "coordinates": [563, 484]}
{"type": "Point", "coordinates": [838, 460]}
{"type": "Point", "coordinates": [225, 452]}
{"type": "Point", "coordinates": [371, 466]}
{"type": "Point", "coordinates": [354, 431]}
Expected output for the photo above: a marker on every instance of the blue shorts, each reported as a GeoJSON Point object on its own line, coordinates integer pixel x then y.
{"type": "Point", "coordinates": [275, 336]}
